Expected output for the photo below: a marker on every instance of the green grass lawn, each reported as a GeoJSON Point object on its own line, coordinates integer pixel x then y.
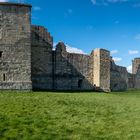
{"type": "Point", "coordinates": [85, 116]}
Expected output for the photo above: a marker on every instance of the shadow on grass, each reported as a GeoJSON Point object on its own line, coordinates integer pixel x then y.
{"type": "Point", "coordinates": [130, 91]}
{"type": "Point", "coordinates": [67, 91]}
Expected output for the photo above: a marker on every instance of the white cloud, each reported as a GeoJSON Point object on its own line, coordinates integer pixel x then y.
{"type": "Point", "coordinates": [129, 68]}
{"type": "Point", "coordinates": [36, 8]}
{"type": "Point", "coordinates": [70, 49]}
{"type": "Point", "coordinates": [93, 2]}
{"type": "Point", "coordinates": [106, 2]}
{"type": "Point", "coordinates": [131, 52]}
{"type": "Point", "coordinates": [115, 1]}
{"type": "Point", "coordinates": [117, 59]}
{"type": "Point", "coordinates": [54, 44]}
{"type": "Point", "coordinates": [99, 2]}
{"type": "Point", "coordinates": [137, 37]}
{"type": "Point", "coordinates": [114, 51]}
{"type": "Point", "coordinates": [74, 50]}
{"type": "Point", "coordinates": [4, 0]}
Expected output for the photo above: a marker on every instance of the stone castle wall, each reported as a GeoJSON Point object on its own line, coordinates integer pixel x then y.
{"type": "Point", "coordinates": [28, 61]}
{"type": "Point", "coordinates": [122, 80]}
{"type": "Point", "coordinates": [15, 46]}
{"type": "Point", "coordinates": [41, 50]}
{"type": "Point", "coordinates": [119, 77]}
{"type": "Point", "coordinates": [60, 70]}
{"type": "Point", "coordinates": [72, 71]}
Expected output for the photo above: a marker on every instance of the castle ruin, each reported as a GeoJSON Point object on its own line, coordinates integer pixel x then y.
{"type": "Point", "coordinates": [28, 61]}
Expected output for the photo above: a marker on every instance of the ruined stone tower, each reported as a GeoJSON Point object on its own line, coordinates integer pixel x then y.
{"type": "Point", "coordinates": [135, 65]}
{"type": "Point", "coordinates": [15, 46]}
{"type": "Point", "coordinates": [102, 69]}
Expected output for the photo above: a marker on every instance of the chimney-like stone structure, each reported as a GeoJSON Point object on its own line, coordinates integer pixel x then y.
{"type": "Point", "coordinates": [135, 65]}
{"type": "Point", "coordinates": [102, 69]}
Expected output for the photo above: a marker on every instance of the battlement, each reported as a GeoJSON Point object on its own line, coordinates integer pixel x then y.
{"type": "Point", "coordinates": [41, 35]}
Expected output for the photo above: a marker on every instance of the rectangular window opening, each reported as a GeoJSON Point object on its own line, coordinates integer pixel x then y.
{"type": "Point", "coordinates": [4, 77]}
{"type": "Point", "coordinates": [80, 83]}
{"type": "Point", "coordinates": [1, 54]}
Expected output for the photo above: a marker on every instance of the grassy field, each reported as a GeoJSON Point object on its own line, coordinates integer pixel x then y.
{"type": "Point", "coordinates": [85, 116]}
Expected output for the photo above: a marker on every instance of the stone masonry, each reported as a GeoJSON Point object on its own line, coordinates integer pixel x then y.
{"type": "Point", "coordinates": [15, 46]}
{"type": "Point", "coordinates": [102, 69]}
{"type": "Point", "coordinates": [41, 55]}
{"type": "Point", "coordinates": [28, 60]}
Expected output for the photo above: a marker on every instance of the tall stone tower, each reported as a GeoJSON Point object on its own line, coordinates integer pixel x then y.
{"type": "Point", "coordinates": [15, 46]}
{"type": "Point", "coordinates": [135, 65]}
{"type": "Point", "coordinates": [102, 69]}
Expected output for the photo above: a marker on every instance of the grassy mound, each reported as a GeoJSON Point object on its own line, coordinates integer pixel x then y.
{"type": "Point", "coordinates": [85, 116]}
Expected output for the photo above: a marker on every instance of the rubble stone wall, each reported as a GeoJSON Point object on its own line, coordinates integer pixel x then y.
{"type": "Point", "coordinates": [42, 77]}
{"type": "Point", "coordinates": [27, 59]}
{"type": "Point", "coordinates": [102, 69]}
{"type": "Point", "coordinates": [119, 78]}
{"type": "Point", "coordinates": [15, 46]}
{"type": "Point", "coordinates": [72, 71]}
